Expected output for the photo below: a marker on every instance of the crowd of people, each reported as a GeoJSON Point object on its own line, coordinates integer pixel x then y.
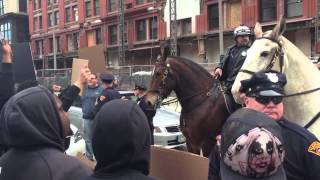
{"type": "Point", "coordinates": [256, 141]}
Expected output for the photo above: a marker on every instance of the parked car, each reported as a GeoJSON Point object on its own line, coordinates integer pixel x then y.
{"type": "Point", "coordinates": [167, 131]}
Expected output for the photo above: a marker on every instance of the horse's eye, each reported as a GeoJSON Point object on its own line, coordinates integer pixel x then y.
{"type": "Point", "coordinates": [158, 74]}
{"type": "Point", "coordinates": [264, 54]}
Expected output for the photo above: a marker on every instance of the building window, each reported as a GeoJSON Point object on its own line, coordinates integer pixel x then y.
{"type": "Point", "coordinates": [294, 8]}
{"type": "Point", "coordinates": [73, 41]}
{"type": "Point", "coordinates": [88, 9]}
{"type": "Point", "coordinates": [5, 29]}
{"type": "Point", "coordinates": [39, 47]}
{"type": "Point", "coordinates": [213, 13]}
{"type": "Point", "coordinates": [56, 17]}
{"type": "Point", "coordinates": [150, 0]}
{"type": "Point", "coordinates": [112, 5]}
{"type": "Point", "coordinates": [50, 45]}
{"type": "Point", "coordinates": [22, 6]}
{"type": "Point", "coordinates": [141, 30]}
{"type": "Point", "coordinates": [94, 37]}
{"type": "Point", "coordinates": [138, 2]}
{"type": "Point", "coordinates": [68, 14]}
{"type": "Point", "coordinates": [52, 1]}
{"type": "Point", "coordinates": [96, 7]}
{"type": "Point", "coordinates": [1, 7]}
{"type": "Point", "coordinates": [98, 36]}
{"type": "Point", "coordinates": [113, 34]}
{"type": "Point", "coordinates": [75, 13]}
{"type": "Point", "coordinates": [35, 23]}
{"type": "Point", "coordinates": [53, 18]}
{"type": "Point", "coordinates": [184, 27]}
{"type": "Point", "coordinates": [40, 22]}
{"type": "Point", "coordinates": [36, 4]}
{"type": "Point", "coordinates": [153, 28]}
{"type": "Point", "coordinates": [268, 10]}
{"type": "Point", "coordinates": [58, 44]}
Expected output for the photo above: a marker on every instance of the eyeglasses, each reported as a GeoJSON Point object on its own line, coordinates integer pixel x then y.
{"type": "Point", "coordinates": [265, 100]}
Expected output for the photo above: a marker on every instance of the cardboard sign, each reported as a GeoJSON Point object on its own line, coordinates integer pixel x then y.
{"type": "Point", "coordinates": [23, 68]}
{"type": "Point", "coordinates": [170, 164]}
{"type": "Point", "coordinates": [96, 57]}
{"type": "Point", "coordinates": [77, 64]}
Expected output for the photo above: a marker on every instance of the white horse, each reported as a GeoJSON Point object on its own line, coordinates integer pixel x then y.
{"type": "Point", "coordinates": [302, 75]}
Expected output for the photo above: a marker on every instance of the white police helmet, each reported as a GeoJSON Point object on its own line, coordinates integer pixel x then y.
{"type": "Point", "coordinates": [241, 31]}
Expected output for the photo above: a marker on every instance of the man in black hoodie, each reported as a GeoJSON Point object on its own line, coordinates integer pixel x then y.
{"type": "Point", "coordinates": [6, 74]}
{"type": "Point", "coordinates": [33, 126]}
{"type": "Point", "coordinates": [121, 142]}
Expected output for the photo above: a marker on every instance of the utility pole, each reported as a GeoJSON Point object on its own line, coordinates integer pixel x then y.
{"type": "Point", "coordinates": [173, 27]}
{"type": "Point", "coordinates": [54, 50]}
{"type": "Point", "coordinates": [122, 57]}
{"type": "Point", "coordinates": [220, 28]}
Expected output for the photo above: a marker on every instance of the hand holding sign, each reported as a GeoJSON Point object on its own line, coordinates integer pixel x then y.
{"type": "Point", "coordinates": [7, 52]}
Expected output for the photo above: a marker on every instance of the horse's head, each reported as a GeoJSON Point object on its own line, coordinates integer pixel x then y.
{"type": "Point", "coordinates": [162, 82]}
{"type": "Point", "coordinates": [265, 53]}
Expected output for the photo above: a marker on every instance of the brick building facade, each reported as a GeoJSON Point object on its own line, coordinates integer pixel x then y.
{"type": "Point", "coordinates": [76, 24]}
{"type": "Point", "coordinates": [84, 23]}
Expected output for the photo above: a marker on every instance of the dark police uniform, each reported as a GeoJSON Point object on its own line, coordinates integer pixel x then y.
{"type": "Point", "coordinates": [302, 156]}
{"type": "Point", "coordinates": [108, 94]}
{"type": "Point", "coordinates": [232, 62]}
{"type": "Point", "coordinates": [146, 108]}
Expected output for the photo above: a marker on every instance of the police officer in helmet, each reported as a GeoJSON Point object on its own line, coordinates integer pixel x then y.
{"type": "Point", "coordinates": [231, 62]}
{"type": "Point", "coordinates": [109, 93]}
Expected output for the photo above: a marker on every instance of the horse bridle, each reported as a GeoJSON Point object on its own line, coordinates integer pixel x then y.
{"type": "Point", "coordinates": [162, 84]}
{"type": "Point", "coordinates": [160, 90]}
{"type": "Point", "coordinates": [279, 55]}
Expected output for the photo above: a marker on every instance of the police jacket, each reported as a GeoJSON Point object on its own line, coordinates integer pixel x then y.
{"type": "Point", "coordinates": [31, 128]}
{"type": "Point", "coordinates": [107, 95]}
{"type": "Point", "coordinates": [302, 154]}
{"type": "Point", "coordinates": [232, 62]}
{"type": "Point", "coordinates": [147, 109]}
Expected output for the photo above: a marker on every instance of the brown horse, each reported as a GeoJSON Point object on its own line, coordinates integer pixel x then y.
{"type": "Point", "coordinates": [202, 101]}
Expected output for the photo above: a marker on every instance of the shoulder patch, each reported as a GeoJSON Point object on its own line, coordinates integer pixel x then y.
{"type": "Point", "coordinates": [315, 148]}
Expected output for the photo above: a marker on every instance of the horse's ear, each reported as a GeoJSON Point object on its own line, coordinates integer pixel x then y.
{"type": "Point", "coordinates": [279, 29]}
{"type": "Point", "coordinates": [258, 30]}
{"type": "Point", "coordinates": [165, 49]}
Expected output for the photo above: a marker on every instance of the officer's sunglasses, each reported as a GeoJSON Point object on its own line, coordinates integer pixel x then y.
{"type": "Point", "coordinates": [265, 100]}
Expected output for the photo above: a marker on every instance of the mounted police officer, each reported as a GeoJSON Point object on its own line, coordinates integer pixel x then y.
{"type": "Point", "coordinates": [231, 62]}
{"type": "Point", "coordinates": [109, 93]}
{"type": "Point", "coordinates": [140, 92]}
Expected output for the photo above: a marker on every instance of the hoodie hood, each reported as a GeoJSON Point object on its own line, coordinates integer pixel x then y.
{"type": "Point", "coordinates": [121, 138]}
{"type": "Point", "coordinates": [30, 119]}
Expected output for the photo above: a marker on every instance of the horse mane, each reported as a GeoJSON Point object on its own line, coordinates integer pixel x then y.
{"type": "Point", "coordinates": [197, 69]}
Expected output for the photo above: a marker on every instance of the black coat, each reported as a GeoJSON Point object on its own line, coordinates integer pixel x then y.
{"type": "Point", "coordinates": [121, 142]}
{"type": "Point", "coordinates": [7, 84]}
{"type": "Point", "coordinates": [232, 62]}
{"type": "Point", "coordinates": [31, 128]}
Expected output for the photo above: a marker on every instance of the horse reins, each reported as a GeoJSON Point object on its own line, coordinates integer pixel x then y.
{"type": "Point", "coordinates": [279, 55]}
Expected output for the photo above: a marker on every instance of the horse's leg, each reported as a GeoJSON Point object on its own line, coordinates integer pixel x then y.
{"type": "Point", "coordinates": [207, 146]}
{"type": "Point", "coordinates": [191, 148]}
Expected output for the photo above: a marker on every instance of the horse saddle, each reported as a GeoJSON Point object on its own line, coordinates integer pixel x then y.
{"type": "Point", "coordinates": [231, 104]}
